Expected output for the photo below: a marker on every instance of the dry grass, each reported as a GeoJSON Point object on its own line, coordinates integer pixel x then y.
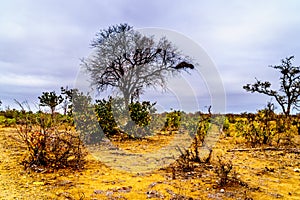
{"type": "Point", "coordinates": [262, 175]}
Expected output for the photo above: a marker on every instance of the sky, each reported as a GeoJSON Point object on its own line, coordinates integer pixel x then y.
{"type": "Point", "coordinates": [42, 42]}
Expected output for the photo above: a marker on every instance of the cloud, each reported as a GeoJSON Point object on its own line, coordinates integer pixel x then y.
{"type": "Point", "coordinates": [18, 80]}
{"type": "Point", "coordinates": [41, 42]}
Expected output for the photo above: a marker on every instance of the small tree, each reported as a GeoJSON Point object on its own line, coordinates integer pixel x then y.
{"type": "Point", "coordinates": [288, 94]}
{"type": "Point", "coordinates": [67, 104]}
{"type": "Point", "coordinates": [51, 100]}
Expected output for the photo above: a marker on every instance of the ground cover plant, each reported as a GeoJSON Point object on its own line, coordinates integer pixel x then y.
{"type": "Point", "coordinates": [235, 169]}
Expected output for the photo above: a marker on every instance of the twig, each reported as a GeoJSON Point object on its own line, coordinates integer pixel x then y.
{"type": "Point", "coordinates": [289, 150]}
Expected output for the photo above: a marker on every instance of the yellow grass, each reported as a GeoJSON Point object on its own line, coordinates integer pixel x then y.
{"type": "Point", "coordinates": [269, 175]}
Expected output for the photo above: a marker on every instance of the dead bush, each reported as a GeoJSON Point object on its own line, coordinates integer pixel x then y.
{"type": "Point", "coordinates": [47, 144]}
{"type": "Point", "coordinates": [223, 169]}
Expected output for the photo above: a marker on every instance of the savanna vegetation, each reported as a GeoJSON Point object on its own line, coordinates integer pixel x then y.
{"type": "Point", "coordinates": [256, 157]}
{"type": "Point", "coordinates": [47, 154]}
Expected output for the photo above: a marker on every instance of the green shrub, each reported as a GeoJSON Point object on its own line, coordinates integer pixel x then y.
{"type": "Point", "coordinates": [140, 112]}
{"type": "Point", "coordinates": [111, 111]}
{"type": "Point", "coordinates": [226, 124]}
{"type": "Point", "coordinates": [264, 127]}
{"type": "Point", "coordinates": [173, 120]}
{"type": "Point", "coordinates": [85, 118]}
{"type": "Point", "coordinates": [11, 114]}
{"type": "Point", "coordinates": [10, 122]}
{"type": "Point", "coordinates": [103, 109]}
{"type": "Point", "coordinates": [2, 120]}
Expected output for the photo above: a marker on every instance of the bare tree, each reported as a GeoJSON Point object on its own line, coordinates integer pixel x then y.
{"type": "Point", "coordinates": [67, 99]}
{"type": "Point", "coordinates": [128, 61]}
{"type": "Point", "coordinates": [288, 94]}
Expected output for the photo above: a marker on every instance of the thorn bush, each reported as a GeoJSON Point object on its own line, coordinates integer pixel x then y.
{"type": "Point", "coordinates": [47, 145]}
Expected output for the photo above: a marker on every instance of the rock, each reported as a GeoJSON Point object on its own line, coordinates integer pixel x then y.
{"type": "Point", "coordinates": [125, 189]}
{"type": "Point", "coordinates": [296, 170]}
{"type": "Point", "coordinates": [222, 190]}
{"type": "Point", "coordinates": [98, 191]}
{"type": "Point", "coordinates": [269, 169]}
{"type": "Point", "coordinates": [66, 195]}
{"type": "Point", "coordinates": [170, 192]}
{"type": "Point", "coordinates": [154, 194]}
{"type": "Point", "coordinates": [276, 195]}
{"type": "Point", "coordinates": [152, 185]}
{"type": "Point", "coordinates": [64, 183]}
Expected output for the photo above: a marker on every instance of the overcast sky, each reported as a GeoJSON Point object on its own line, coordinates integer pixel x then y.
{"type": "Point", "coordinates": [41, 42]}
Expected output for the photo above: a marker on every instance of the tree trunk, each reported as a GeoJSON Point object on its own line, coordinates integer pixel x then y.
{"type": "Point", "coordinates": [52, 110]}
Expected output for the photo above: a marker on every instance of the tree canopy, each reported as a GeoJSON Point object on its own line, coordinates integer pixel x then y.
{"type": "Point", "coordinates": [128, 62]}
{"type": "Point", "coordinates": [287, 96]}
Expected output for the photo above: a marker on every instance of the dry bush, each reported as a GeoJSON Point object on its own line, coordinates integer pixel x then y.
{"type": "Point", "coordinates": [266, 128]}
{"type": "Point", "coordinates": [193, 154]}
{"type": "Point", "coordinates": [223, 169]}
{"type": "Point", "coordinates": [47, 144]}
